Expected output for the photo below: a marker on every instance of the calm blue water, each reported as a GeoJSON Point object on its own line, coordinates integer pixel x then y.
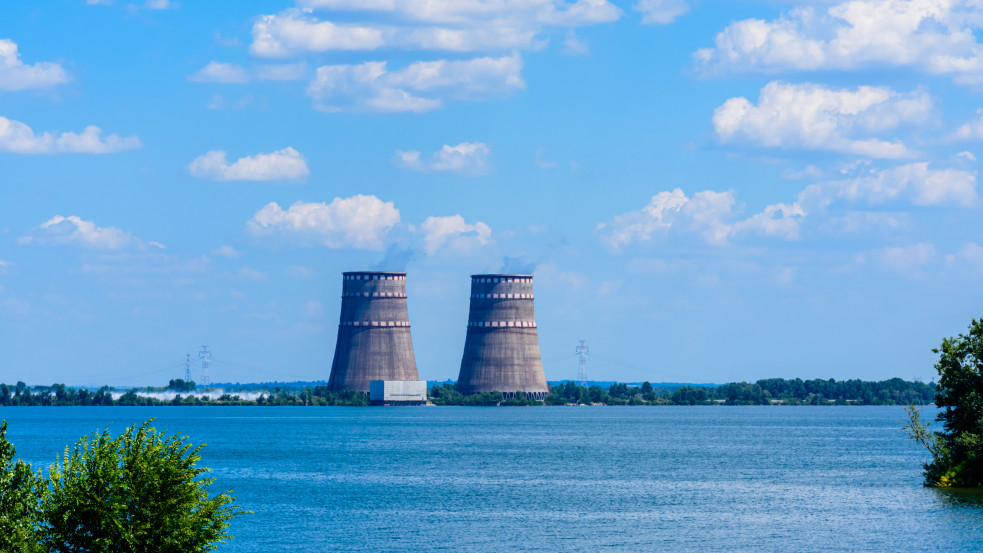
{"type": "Point", "coordinates": [554, 478]}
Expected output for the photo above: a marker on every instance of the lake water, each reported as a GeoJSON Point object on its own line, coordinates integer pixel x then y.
{"type": "Point", "coordinates": [554, 478]}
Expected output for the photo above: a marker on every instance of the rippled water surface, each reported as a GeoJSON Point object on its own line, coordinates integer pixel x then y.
{"type": "Point", "coordinates": [554, 478]}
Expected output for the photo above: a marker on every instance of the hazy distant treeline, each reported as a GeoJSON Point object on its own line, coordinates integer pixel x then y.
{"type": "Point", "coordinates": [763, 392]}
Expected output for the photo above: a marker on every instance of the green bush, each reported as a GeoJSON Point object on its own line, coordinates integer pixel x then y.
{"type": "Point", "coordinates": [20, 494]}
{"type": "Point", "coordinates": [957, 452]}
{"type": "Point", "coordinates": [140, 492]}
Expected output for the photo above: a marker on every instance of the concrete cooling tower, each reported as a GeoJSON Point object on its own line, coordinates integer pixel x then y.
{"type": "Point", "coordinates": [501, 351]}
{"type": "Point", "coordinates": [374, 333]}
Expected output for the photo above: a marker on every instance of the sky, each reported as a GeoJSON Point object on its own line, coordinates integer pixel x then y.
{"type": "Point", "coordinates": [704, 190]}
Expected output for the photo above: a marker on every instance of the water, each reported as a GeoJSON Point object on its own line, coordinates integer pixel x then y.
{"type": "Point", "coordinates": [554, 479]}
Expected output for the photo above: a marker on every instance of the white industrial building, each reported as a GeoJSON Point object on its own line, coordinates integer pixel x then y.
{"type": "Point", "coordinates": [398, 392]}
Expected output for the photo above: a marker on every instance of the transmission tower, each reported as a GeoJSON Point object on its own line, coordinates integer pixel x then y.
{"type": "Point", "coordinates": [187, 367]}
{"type": "Point", "coordinates": [583, 352]}
{"type": "Point", "coordinates": [205, 356]}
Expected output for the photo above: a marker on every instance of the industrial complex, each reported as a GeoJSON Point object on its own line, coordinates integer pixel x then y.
{"type": "Point", "coordinates": [374, 351]}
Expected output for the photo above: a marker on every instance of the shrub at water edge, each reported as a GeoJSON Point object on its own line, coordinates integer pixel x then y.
{"type": "Point", "coordinates": [139, 492]}
{"type": "Point", "coordinates": [957, 452]}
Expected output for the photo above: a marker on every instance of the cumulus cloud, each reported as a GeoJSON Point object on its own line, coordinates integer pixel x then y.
{"type": "Point", "coordinates": [460, 25]}
{"type": "Point", "coordinates": [467, 158]}
{"type": "Point", "coordinates": [916, 183]}
{"type": "Point", "coordinates": [16, 75]}
{"type": "Point", "coordinates": [453, 231]}
{"type": "Point", "coordinates": [19, 138]}
{"type": "Point", "coordinates": [217, 72]}
{"type": "Point", "coordinates": [971, 130]}
{"type": "Point", "coordinates": [812, 117]}
{"type": "Point", "coordinates": [934, 36]}
{"type": "Point", "coordinates": [553, 12]}
{"type": "Point", "coordinates": [74, 230]}
{"type": "Point", "coordinates": [295, 33]}
{"type": "Point", "coordinates": [707, 213]}
{"type": "Point", "coordinates": [970, 253]}
{"type": "Point", "coordinates": [419, 87]}
{"type": "Point", "coordinates": [360, 222]}
{"type": "Point", "coordinates": [231, 73]}
{"type": "Point", "coordinates": [661, 12]}
{"type": "Point", "coordinates": [283, 165]}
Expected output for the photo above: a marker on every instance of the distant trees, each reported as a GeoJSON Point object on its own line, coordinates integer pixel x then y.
{"type": "Point", "coordinates": [763, 392]}
{"type": "Point", "coordinates": [139, 492]}
{"type": "Point", "coordinates": [957, 451]}
{"type": "Point", "coordinates": [181, 385]}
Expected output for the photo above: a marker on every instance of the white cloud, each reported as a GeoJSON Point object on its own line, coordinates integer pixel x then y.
{"type": "Point", "coordinates": [779, 220]}
{"type": "Point", "coordinates": [19, 138]}
{"type": "Point", "coordinates": [283, 165]}
{"type": "Point", "coordinates": [707, 213]}
{"type": "Point", "coordinates": [458, 25]}
{"type": "Point", "coordinates": [971, 253]}
{"type": "Point", "coordinates": [454, 232]}
{"type": "Point", "coordinates": [293, 32]}
{"type": "Point", "coordinates": [809, 116]}
{"type": "Point", "coordinates": [661, 12]}
{"type": "Point", "coordinates": [467, 158]}
{"type": "Point", "coordinates": [360, 222]}
{"type": "Point", "coordinates": [935, 36]}
{"type": "Point", "coordinates": [217, 72]}
{"type": "Point", "coordinates": [574, 46]}
{"type": "Point", "coordinates": [971, 130]}
{"type": "Point", "coordinates": [908, 258]}
{"type": "Point", "coordinates": [16, 75]}
{"type": "Point", "coordinates": [74, 230]}
{"type": "Point", "coordinates": [554, 12]}
{"type": "Point", "coordinates": [231, 73]}
{"type": "Point", "coordinates": [913, 182]}
{"type": "Point", "coordinates": [419, 87]}
{"type": "Point", "coordinates": [159, 5]}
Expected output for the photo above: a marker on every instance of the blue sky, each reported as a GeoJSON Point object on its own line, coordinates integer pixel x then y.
{"type": "Point", "coordinates": [706, 191]}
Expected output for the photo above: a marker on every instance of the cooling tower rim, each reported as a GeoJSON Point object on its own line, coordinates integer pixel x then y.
{"type": "Point", "coordinates": [502, 275]}
{"type": "Point", "coordinates": [374, 273]}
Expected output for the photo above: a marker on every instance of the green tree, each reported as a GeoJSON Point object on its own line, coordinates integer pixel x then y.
{"type": "Point", "coordinates": [139, 492]}
{"type": "Point", "coordinates": [957, 451]}
{"type": "Point", "coordinates": [20, 493]}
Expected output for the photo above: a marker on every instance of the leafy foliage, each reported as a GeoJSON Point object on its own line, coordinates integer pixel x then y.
{"type": "Point", "coordinates": [957, 452]}
{"type": "Point", "coordinates": [20, 493]}
{"type": "Point", "coordinates": [138, 492]}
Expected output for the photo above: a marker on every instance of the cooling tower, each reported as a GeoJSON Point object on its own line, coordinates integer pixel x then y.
{"type": "Point", "coordinates": [374, 333]}
{"type": "Point", "coordinates": [501, 351]}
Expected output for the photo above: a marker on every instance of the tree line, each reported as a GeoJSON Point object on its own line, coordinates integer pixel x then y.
{"type": "Point", "coordinates": [769, 391]}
